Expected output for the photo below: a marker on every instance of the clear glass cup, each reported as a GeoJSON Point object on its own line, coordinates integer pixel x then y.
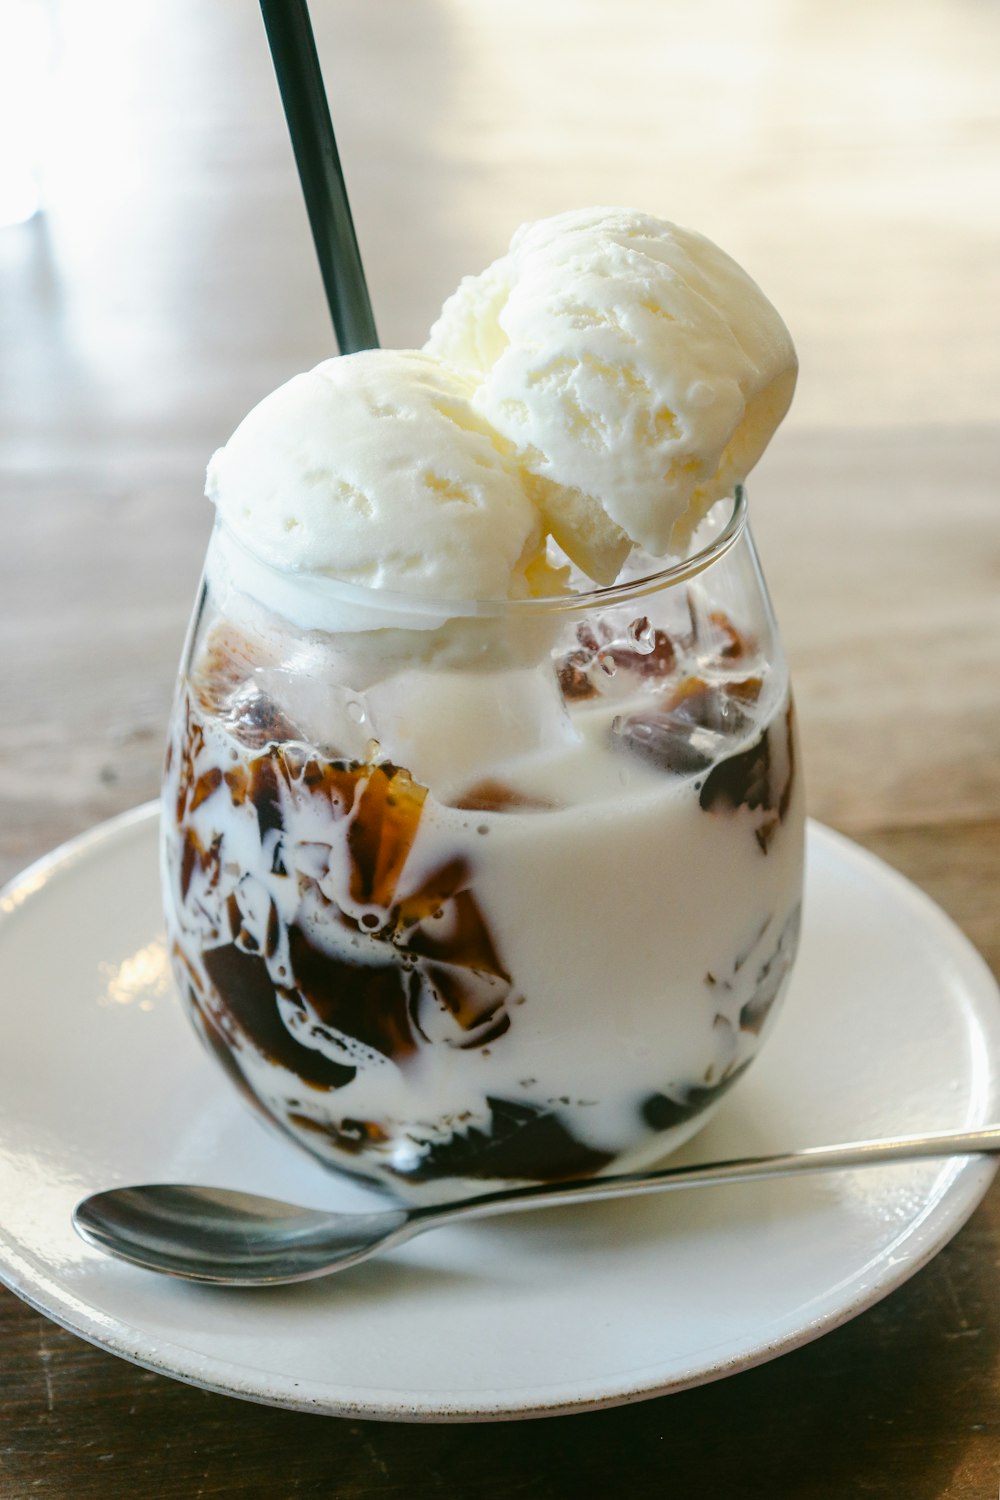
{"type": "Point", "coordinates": [464, 894]}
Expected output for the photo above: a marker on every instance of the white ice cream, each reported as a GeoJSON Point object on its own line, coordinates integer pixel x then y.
{"type": "Point", "coordinates": [374, 469]}
{"type": "Point", "coordinates": [638, 372]}
{"type": "Point", "coordinates": [606, 381]}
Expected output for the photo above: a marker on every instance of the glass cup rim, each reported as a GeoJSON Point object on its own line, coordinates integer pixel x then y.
{"type": "Point", "coordinates": [600, 596]}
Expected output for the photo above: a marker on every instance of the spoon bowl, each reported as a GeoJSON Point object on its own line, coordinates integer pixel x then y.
{"type": "Point", "coordinates": [233, 1238]}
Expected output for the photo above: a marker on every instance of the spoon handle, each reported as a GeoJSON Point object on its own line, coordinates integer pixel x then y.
{"type": "Point", "coordinates": [744, 1169]}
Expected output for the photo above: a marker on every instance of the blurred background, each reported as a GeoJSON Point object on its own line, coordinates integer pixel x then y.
{"type": "Point", "coordinates": [848, 156]}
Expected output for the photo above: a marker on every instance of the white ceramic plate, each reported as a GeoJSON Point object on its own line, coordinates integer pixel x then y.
{"type": "Point", "coordinates": [892, 1026]}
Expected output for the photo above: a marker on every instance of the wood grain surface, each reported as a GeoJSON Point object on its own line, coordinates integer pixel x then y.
{"type": "Point", "coordinates": [849, 156]}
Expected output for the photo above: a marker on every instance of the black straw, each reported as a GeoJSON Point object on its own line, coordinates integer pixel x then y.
{"type": "Point", "coordinates": [300, 82]}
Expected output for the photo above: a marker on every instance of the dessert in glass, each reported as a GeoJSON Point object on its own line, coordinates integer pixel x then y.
{"type": "Point", "coordinates": [483, 817]}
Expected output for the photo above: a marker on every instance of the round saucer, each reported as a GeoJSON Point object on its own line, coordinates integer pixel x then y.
{"type": "Point", "coordinates": [892, 1026]}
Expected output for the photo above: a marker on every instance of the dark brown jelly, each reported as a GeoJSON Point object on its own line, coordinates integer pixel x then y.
{"type": "Point", "coordinates": [662, 1111]}
{"type": "Point", "coordinates": [665, 1111]}
{"type": "Point", "coordinates": [249, 998]}
{"type": "Point", "coordinates": [643, 651]}
{"type": "Point", "coordinates": [575, 682]}
{"type": "Point", "coordinates": [380, 1005]}
{"type": "Point", "coordinates": [754, 1014]}
{"type": "Point", "coordinates": [661, 743]}
{"type": "Point", "coordinates": [741, 780]}
{"type": "Point", "coordinates": [713, 636]}
{"type": "Point", "coordinates": [521, 1141]}
{"type": "Point", "coordinates": [663, 734]}
{"type": "Point", "coordinates": [492, 795]}
{"type": "Point", "coordinates": [757, 778]}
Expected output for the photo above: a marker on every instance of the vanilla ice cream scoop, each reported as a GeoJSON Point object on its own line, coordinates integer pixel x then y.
{"type": "Point", "coordinates": [637, 371]}
{"type": "Point", "coordinates": [375, 469]}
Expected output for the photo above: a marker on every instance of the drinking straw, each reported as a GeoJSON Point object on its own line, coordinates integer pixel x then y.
{"type": "Point", "coordinates": [300, 83]}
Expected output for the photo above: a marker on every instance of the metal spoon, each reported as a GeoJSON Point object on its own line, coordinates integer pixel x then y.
{"type": "Point", "coordinates": [239, 1239]}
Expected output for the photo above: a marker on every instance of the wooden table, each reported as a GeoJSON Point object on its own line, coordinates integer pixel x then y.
{"type": "Point", "coordinates": [849, 157]}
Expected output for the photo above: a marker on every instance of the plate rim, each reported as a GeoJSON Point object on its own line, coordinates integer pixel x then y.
{"type": "Point", "coordinates": [955, 1199]}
